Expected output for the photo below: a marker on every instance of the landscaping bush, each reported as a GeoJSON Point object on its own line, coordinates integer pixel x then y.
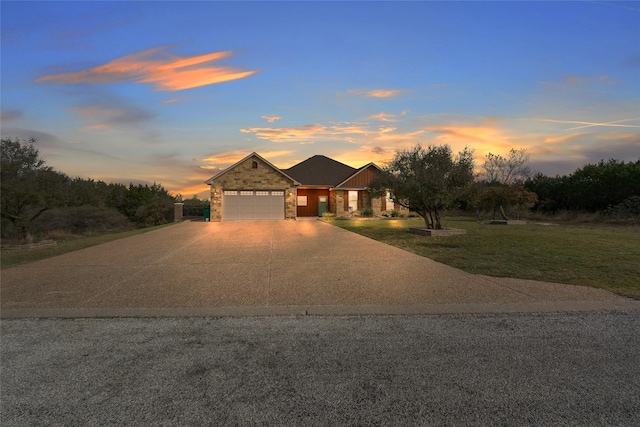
{"type": "Point", "coordinates": [81, 220]}
{"type": "Point", "coordinates": [629, 209]}
{"type": "Point", "coordinates": [366, 213]}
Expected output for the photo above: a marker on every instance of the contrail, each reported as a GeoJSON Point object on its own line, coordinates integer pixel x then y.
{"type": "Point", "coordinates": [594, 124]}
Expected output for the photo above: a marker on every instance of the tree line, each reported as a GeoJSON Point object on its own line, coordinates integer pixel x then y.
{"type": "Point", "coordinates": [611, 186]}
{"type": "Point", "coordinates": [36, 199]}
{"type": "Point", "coordinates": [430, 180]}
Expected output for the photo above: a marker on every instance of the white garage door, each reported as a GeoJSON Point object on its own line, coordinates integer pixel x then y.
{"type": "Point", "coordinates": [252, 204]}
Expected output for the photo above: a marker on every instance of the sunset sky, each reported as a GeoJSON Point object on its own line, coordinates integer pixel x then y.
{"type": "Point", "coordinates": [172, 92]}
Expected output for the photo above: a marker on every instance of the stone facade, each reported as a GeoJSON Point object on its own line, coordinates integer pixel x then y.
{"type": "Point", "coordinates": [252, 174]}
{"type": "Point", "coordinates": [339, 205]}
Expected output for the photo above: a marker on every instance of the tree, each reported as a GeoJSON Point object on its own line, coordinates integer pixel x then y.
{"type": "Point", "coordinates": [426, 181]}
{"type": "Point", "coordinates": [502, 182]}
{"type": "Point", "coordinates": [593, 187]}
{"type": "Point", "coordinates": [28, 187]}
{"type": "Point", "coordinates": [147, 205]}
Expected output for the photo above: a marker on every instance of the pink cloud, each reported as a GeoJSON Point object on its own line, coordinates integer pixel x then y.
{"type": "Point", "coordinates": [272, 118]}
{"type": "Point", "coordinates": [375, 93]}
{"type": "Point", "coordinates": [167, 72]}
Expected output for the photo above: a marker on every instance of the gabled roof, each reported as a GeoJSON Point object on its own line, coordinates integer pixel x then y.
{"type": "Point", "coordinates": [320, 171]}
{"type": "Point", "coordinates": [219, 174]}
{"type": "Point", "coordinates": [363, 168]}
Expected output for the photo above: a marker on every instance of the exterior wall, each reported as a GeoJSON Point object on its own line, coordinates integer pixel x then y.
{"type": "Point", "coordinates": [332, 202]}
{"type": "Point", "coordinates": [376, 205]}
{"type": "Point", "coordinates": [362, 178]}
{"type": "Point", "coordinates": [364, 200]}
{"type": "Point", "coordinates": [312, 201]}
{"type": "Point", "coordinates": [244, 177]}
{"type": "Point", "coordinates": [341, 196]}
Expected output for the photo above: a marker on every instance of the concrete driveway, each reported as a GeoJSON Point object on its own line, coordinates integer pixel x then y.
{"type": "Point", "coordinates": [268, 267]}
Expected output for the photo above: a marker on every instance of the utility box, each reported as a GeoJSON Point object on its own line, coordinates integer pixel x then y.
{"type": "Point", "coordinates": [206, 211]}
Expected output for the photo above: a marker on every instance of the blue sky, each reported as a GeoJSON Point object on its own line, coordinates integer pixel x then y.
{"type": "Point", "coordinates": [172, 92]}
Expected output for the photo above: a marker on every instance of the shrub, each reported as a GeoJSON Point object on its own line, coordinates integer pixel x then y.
{"type": "Point", "coordinates": [395, 213]}
{"type": "Point", "coordinates": [366, 213]}
{"type": "Point", "coordinates": [628, 209]}
{"type": "Point", "coordinates": [81, 220]}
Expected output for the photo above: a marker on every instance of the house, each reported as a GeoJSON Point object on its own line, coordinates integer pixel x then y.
{"type": "Point", "coordinates": [253, 188]}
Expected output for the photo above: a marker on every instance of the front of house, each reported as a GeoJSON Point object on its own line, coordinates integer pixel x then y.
{"type": "Point", "coordinates": [253, 188]}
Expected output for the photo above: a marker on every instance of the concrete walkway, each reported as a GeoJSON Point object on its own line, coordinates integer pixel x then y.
{"type": "Point", "coordinates": [269, 268]}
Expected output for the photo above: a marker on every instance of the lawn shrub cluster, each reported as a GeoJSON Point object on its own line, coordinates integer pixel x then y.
{"type": "Point", "coordinates": [80, 220]}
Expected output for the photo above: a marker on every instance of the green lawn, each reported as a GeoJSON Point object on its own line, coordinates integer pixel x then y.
{"type": "Point", "coordinates": [13, 258]}
{"type": "Point", "coordinates": [596, 255]}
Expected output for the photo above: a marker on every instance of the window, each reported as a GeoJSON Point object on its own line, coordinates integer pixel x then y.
{"type": "Point", "coordinates": [254, 165]}
{"type": "Point", "coordinates": [302, 200]}
{"type": "Point", "coordinates": [390, 205]}
{"type": "Point", "coordinates": [230, 192]}
{"type": "Point", "coordinates": [246, 193]}
{"type": "Point", "coordinates": [262, 193]}
{"type": "Point", "coordinates": [353, 201]}
{"type": "Point", "coordinates": [277, 193]}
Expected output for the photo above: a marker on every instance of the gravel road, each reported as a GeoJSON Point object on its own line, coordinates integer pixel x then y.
{"type": "Point", "coordinates": [498, 369]}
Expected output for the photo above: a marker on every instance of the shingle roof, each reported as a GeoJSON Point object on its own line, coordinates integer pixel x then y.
{"type": "Point", "coordinates": [321, 171]}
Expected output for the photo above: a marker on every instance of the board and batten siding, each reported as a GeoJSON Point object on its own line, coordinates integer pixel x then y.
{"type": "Point", "coordinates": [361, 179]}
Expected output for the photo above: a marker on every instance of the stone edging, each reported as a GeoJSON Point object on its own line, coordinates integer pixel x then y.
{"type": "Point", "coordinates": [432, 232]}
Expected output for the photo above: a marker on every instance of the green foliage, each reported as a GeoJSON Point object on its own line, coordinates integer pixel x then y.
{"type": "Point", "coordinates": [592, 188]}
{"type": "Point", "coordinates": [81, 220]}
{"type": "Point", "coordinates": [366, 213]}
{"type": "Point", "coordinates": [193, 206]}
{"type": "Point", "coordinates": [501, 188]}
{"type": "Point", "coordinates": [148, 205]}
{"type": "Point", "coordinates": [426, 181]}
{"type": "Point", "coordinates": [30, 188]}
{"type": "Point", "coordinates": [629, 209]}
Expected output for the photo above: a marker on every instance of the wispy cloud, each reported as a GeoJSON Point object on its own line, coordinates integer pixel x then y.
{"type": "Point", "coordinates": [388, 117]}
{"type": "Point", "coordinates": [284, 134]}
{"type": "Point", "coordinates": [345, 131]}
{"type": "Point", "coordinates": [271, 118]}
{"type": "Point", "coordinates": [10, 115]}
{"type": "Point", "coordinates": [166, 71]}
{"type": "Point", "coordinates": [102, 116]}
{"type": "Point", "coordinates": [562, 139]}
{"type": "Point", "coordinates": [385, 117]}
{"type": "Point", "coordinates": [375, 93]}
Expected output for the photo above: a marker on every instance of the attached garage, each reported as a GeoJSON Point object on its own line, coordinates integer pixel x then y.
{"type": "Point", "coordinates": [253, 204]}
{"type": "Point", "coordinates": [252, 189]}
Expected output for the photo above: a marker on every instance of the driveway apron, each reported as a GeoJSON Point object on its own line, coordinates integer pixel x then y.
{"type": "Point", "coordinates": [198, 265]}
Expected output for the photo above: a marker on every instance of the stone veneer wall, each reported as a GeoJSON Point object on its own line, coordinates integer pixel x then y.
{"type": "Point", "coordinates": [244, 177]}
{"type": "Point", "coordinates": [376, 205]}
{"type": "Point", "coordinates": [340, 195]}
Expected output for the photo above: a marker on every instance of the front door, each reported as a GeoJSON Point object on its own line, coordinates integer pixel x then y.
{"type": "Point", "coordinates": [322, 205]}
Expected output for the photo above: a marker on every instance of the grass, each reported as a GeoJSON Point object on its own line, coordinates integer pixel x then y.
{"type": "Point", "coordinates": [65, 244]}
{"type": "Point", "coordinates": [592, 255]}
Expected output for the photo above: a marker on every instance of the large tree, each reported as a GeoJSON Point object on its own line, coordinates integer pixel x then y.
{"type": "Point", "coordinates": [28, 186]}
{"type": "Point", "coordinates": [426, 181]}
{"type": "Point", "coordinates": [502, 182]}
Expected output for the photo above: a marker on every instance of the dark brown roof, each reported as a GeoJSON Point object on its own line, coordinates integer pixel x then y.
{"type": "Point", "coordinates": [321, 171]}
